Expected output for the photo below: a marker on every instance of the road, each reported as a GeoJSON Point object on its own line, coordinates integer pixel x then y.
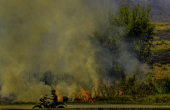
{"type": "Point", "coordinates": [91, 106]}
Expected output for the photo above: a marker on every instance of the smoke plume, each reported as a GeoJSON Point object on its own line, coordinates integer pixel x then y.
{"type": "Point", "coordinates": [38, 36]}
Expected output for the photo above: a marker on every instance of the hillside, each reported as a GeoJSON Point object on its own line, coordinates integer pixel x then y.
{"type": "Point", "coordinates": [161, 43]}
{"type": "Point", "coordinates": [161, 50]}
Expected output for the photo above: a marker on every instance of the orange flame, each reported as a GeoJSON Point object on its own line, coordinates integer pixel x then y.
{"type": "Point", "coordinates": [58, 95]}
{"type": "Point", "coordinates": [150, 87]}
{"type": "Point", "coordinates": [86, 95]}
{"type": "Point", "coordinates": [120, 92]}
{"type": "Point", "coordinates": [78, 96]}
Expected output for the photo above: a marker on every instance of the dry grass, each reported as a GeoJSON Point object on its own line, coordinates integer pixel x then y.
{"type": "Point", "coordinates": [161, 39]}
{"type": "Point", "coordinates": [161, 26]}
{"type": "Point", "coordinates": [160, 45]}
{"type": "Point", "coordinates": [161, 72]}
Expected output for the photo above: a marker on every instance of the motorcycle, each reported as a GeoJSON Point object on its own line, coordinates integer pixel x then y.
{"type": "Point", "coordinates": [44, 104]}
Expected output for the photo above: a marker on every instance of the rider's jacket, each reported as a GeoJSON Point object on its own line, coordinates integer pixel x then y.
{"type": "Point", "coordinates": [55, 98]}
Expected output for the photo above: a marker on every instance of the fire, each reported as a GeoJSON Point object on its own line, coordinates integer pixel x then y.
{"type": "Point", "coordinates": [58, 95]}
{"type": "Point", "coordinates": [85, 95]}
{"type": "Point", "coordinates": [120, 92]}
{"type": "Point", "coordinates": [150, 87]}
{"type": "Point", "coordinates": [82, 96]}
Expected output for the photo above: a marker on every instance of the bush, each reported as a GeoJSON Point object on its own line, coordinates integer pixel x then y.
{"type": "Point", "coordinates": [151, 73]}
{"type": "Point", "coordinates": [168, 64]}
{"type": "Point", "coordinates": [158, 64]}
{"type": "Point", "coordinates": [164, 68]}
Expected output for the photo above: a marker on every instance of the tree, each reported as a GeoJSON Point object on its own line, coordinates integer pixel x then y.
{"type": "Point", "coordinates": [130, 29]}
{"type": "Point", "coordinates": [130, 25]}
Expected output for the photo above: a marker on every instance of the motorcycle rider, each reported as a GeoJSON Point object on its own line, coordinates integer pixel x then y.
{"type": "Point", "coordinates": [54, 98]}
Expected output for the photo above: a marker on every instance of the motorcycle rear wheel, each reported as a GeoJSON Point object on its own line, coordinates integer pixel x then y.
{"type": "Point", "coordinates": [36, 107]}
{"type": "Point", "coordinates": [61, 106]}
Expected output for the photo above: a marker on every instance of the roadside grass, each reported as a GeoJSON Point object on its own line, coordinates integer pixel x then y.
{"type": "Point", "coordinates": [159, 99]}
{"type": "Point", "coordinates": [98, 102]}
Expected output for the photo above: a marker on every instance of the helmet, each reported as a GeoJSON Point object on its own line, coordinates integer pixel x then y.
{"type": "Point", "coordinates": [53, 91]}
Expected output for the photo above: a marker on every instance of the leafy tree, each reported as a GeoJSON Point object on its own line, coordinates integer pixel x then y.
{"type": "Point", "coordinates": [130, 25]}
{"type": "Point", "coordinates": [137, 28]}
{"type": "Point", "coordinates": [130, 29]}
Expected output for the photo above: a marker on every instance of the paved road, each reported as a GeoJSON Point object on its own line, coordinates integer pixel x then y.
{"type": "Point", "coordinates": [90, 106]}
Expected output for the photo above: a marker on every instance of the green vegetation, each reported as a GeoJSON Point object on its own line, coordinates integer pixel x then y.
{"type": "Point", "coordinates": [131, 86]}
{"type": "Point", "coordinates": [160, 99]}
{"type": "Point", "coordinates": [152, 91]}
{"type": "Point", "coordinates": [158, 64]}
{"type": "Point", "coordinates": [130, 25]}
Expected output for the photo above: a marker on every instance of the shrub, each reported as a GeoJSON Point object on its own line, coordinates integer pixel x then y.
{"type": "Point", "coordinates": [168, 64]}
{"type": "Point", "coordinates": [158, 64]}
{"type": "Point", "coordinates": [150, 73]}
{"type": "Point", "coordinates": [164, 68]}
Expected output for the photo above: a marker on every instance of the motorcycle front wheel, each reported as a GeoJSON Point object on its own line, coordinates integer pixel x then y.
{"type": "Point", "coordinates": [36, 107]}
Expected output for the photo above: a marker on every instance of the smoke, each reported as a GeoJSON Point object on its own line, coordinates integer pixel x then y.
{"type": "Point", "coordinates": [37, 36]}
{"type": "Point", "coordinates": [131, 64]}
